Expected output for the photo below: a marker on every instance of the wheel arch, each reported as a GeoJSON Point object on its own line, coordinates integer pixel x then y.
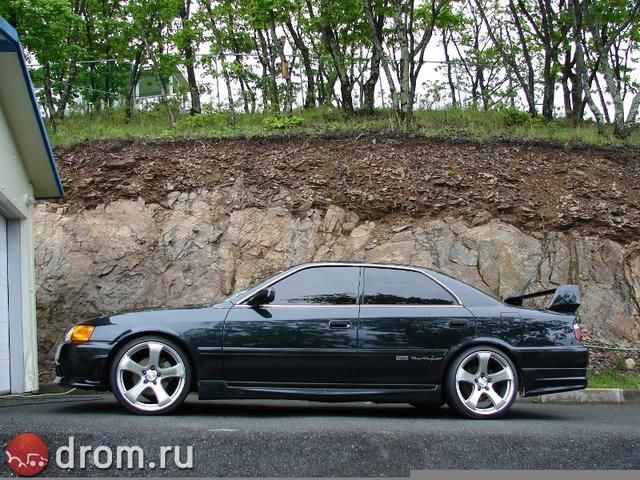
{"type": "Point", "coordinates": [123, 340]}
{"type": "Point", "coordinates": [501, 345]}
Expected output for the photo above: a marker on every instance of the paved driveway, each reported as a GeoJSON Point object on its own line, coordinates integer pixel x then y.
{"type": "Point", "coordinates": [287, 438]}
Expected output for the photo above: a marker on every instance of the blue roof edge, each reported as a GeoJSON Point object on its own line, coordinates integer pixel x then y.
{"type": "Point", "coordinates": [11, 34]}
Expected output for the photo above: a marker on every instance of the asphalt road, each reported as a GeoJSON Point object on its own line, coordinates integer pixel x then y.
{"type": "Point", "coordinates": [298, 439]}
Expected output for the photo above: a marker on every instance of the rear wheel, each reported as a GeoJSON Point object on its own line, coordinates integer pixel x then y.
{"type": "Point", "coordinates": [481, 383]}
{"type": "Point", "coordinates": [150, 375]}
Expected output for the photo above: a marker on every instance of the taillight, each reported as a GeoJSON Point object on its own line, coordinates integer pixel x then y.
{"type": "Point", "coordinates": [577, 332]}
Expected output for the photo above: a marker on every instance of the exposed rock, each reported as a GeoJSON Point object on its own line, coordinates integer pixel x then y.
{"type": "Point", "coordinates": [630, 364]}
{"type": "Point", "coordinates": [129, 254]}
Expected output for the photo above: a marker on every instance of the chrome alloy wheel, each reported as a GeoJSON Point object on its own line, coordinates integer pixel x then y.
{"type": "Point", "coordinates": [485, 382]}
{"type": "Point", "coordinates": [151, 376]}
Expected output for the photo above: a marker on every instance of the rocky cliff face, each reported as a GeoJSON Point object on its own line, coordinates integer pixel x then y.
{"type": "Point", "coordinates": [196, 247]}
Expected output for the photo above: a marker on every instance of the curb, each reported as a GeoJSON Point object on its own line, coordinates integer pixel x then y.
{"type": "Point", "coordinates": [55, 389]}
{"type": "Point", "coordinates": [589, 395]}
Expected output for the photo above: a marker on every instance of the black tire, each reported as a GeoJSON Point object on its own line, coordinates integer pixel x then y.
{"type": "Point", "coordinates": [145, 388]}
{"type": "Point", "coordinates": [493, 396]}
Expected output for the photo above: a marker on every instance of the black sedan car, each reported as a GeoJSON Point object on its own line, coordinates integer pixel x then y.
{"type": "Point", "coordinates": [336, 332]}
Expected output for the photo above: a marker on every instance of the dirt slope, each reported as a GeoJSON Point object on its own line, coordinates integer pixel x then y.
{"type": "Point", "coordinates": [533, 186]}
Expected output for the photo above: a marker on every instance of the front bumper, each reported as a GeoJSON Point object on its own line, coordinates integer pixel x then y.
{"type": "Point", "coordinates": [83, 365]}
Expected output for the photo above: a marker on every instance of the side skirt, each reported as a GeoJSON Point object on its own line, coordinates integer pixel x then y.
{"type": "Point", "coordinates": [217, 390]}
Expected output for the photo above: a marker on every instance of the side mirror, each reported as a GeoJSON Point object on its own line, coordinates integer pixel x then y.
{"type": "Point", "coordinates": [262, 297]}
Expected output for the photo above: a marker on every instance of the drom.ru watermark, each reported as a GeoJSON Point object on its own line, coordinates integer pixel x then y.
{"type": "Point", "coordinates": [27, 454]}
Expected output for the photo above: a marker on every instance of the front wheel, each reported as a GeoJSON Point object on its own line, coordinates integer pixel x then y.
{"type": "Point", "coordinates": [481, 383]}
{"type": "Point", "coordinates": [150, 375]}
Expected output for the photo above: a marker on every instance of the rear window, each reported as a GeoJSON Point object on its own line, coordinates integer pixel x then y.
{"type": "Point", "coordinates": [387, 286]}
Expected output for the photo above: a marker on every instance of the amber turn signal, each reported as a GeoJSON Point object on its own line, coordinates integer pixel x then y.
{"type": "Point", "coordinates": [79, 333]}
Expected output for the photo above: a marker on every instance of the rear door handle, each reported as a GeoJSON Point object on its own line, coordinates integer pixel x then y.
{"type": "Point", "coordinates": [339, 324]}
{"type": "Point", "coordinates": [458, 323]}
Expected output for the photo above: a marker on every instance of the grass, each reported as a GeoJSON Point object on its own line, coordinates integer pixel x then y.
{"type": "Point", "coordinates": [455, 123]}
{"type": "Point", "coordinates": [614, 379]}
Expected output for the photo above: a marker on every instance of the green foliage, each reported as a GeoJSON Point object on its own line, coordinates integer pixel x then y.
{"type": "Point", "coordinates": [456, 123]}
{"type": "Point", "coordinates": [512, 117]}
{"type": "Point", "coordinates": [614, 379]}
{"type": "Point", "coordinates": [211, 121]}
{"type": "Point", "coordinates": [282, 123]}
{"type": "Point", "coordinates": [89, 53]}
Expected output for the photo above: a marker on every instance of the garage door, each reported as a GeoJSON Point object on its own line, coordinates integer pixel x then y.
{"type": "Point", "coordinates": [4, 310]}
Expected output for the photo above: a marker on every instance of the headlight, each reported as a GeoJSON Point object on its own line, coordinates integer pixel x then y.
{"type": "Point", "coordinates": [79, 333]}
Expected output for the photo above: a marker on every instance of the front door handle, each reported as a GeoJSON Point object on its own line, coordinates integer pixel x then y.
{"type": "Point", "coordinates": [457, 323]}
{"type": "Point", "coordinates": [339, 324]}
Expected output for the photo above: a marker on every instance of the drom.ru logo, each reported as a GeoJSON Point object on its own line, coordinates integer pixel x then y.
{"type": "Point", "coordinates": [27, 454]}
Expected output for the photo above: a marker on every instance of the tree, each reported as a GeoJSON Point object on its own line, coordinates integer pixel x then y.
{"type": "Point", "coordinates": [47, 28]}
{"type": "Point", "coordinates": [515, 52]}
{"type": "Point", "coordinates": [611, 32]}
{"type": "Point", "coordinates": [152, 25]}
{"type": "Point", "coordinates": [187, 40]}
{"type": "Point", "coordinates": [297, 33]}
{"type": "Point", "coordinates": [549, 24]}
{"type": "Point", "coordinates": [484, 76]}
{"type": "Point", "coordinates": [341, 30]}
{"type": "Point", "coordinates": [412, 29]}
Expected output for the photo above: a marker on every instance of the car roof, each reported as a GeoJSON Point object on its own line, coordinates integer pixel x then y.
{"type": "Point", "coordinates": [359, 264]}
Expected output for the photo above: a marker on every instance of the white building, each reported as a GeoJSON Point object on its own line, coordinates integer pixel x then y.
{"type": "Point", "coordinates": [27, 172]}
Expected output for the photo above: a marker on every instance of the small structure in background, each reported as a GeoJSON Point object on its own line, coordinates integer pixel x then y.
{"type": "Point", "coordinates": [148, 89]}
{"type": "Point", "coordinates": [27, 172]}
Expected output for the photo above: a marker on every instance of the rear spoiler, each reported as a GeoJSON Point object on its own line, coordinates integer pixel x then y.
{"type": "Point", "coordinates": [566, 298]}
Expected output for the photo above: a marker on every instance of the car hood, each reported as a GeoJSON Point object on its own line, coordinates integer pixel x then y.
{"type": "Point", "coordinates": [159, 315]}
{"type": "Point", "coordinates": [198, 306]}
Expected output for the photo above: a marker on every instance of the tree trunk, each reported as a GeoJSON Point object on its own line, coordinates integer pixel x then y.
{"type": "Point", "coordinates": [227, 81]}
{"type": "Point", "coordinates": [405, 111]}
{"type": "Point", "coordinates": [245, 96]}
{"type": "Point", "coordinates": [194, 91]}
{"type": "Point", "coordinates": [190, 58]}
{"type": "Point", "coordinates": [134, 77]}
{"type": "Point", "coordinates": [529, 90]}
{"type": "Point", "coordinates": [310, 96]}
{"type": "Point", "coordinates": [330, 41]}
{"type": "Point", "coordinates": [48, 95]}
{"type": "Point", "coordinates": [68, 90]}
{"type": "Point", "coordinates": [633, 112]}
{"type": "Point", "coordinates": [377, 41]}
{"type": "Point", "coordinates": [548, 93]}
{"type": "Point", "coordinates": [452, 87]}
{"type": "Point", "coordinates": [369, 87]}
{"type": "Point", "coordinates": [346, 83]}
{"type": "Point", "coordinates": [566, 76]}
{"type": "Point", "coordinates": [267, 57]}
{"type": "Point", "coordinates": [577, 88]}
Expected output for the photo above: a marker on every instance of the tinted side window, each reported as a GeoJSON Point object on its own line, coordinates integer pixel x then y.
{"type": "Point", "coordinates": [386, 286]}
{"type": "Point", "coordinates": [319, 285]}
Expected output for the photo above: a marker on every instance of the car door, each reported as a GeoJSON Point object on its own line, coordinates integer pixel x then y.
{"type": "Point", "coordinates": [407, 323]}
{"type": "Point", "coordinates": [306, 335]}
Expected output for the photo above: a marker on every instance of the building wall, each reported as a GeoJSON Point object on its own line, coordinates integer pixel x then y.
{"type": "Point", "coordinates": [16, 205]}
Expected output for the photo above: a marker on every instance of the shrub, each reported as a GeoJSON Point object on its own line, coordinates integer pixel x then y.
{"type": "Point", "coordinates": [281, 123]}
{"type": "Point", "coordinates": [201, 120]}
{"type": "Point", "coordinates": [512, 117]}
